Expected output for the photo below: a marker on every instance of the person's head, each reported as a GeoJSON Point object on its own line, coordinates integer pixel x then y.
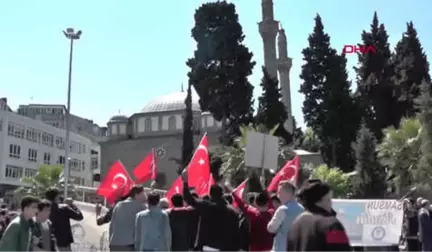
{"type": "Point", "coordinates": [261, 200]}
{"type": "Point", "coordinates": [195, 195]}
{"type": "Point", "coordinates": [206, 198]}
{"type": "Point", "coordinates": [216, 192]}
{"type": "Point", "coordinates": [29, 206]}
{"type": "Point", "coordinates": [419, 201]}
{"type": "Point", "coordinates": [163, 203]}
{"type": "Point", "coordinates": [44, 210]}
{"type": "Point", "coordinates": [3, 206]}
{"type": "Point", "coordinates": [52, 194]}
{"type": "Point", "coordinates": [425, 203]}
{"type": "Point", "coordinates": [228, 198]}
{"type": "Point", "coordinates": [285, 191]}
{"type": "Point", "coordinates": [177, 200]}
{"type": "Point", "coordinates": [153, 199]}
{"type": "Point", "coordinates": [315, 192]}
{"type": "Point", "coordinates": [275, 201]}
{"type": "Point", "coordinates": [137, 193]}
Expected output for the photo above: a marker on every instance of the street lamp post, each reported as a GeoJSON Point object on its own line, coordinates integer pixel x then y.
{"type": "Point", "coordinates": [71, 35]}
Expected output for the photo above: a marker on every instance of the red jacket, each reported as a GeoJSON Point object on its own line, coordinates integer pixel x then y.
{"type": "Point", "coordinates": [260, 239]}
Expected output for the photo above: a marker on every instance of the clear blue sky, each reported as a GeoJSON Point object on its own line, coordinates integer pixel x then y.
{"type": "Point", "coordinates": [135, 50]}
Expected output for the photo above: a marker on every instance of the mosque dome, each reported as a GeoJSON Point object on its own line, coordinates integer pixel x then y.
{"type": "Point", "coordinates": [118, 118]}
{"type": "Point", "coordinates": [171, 102]}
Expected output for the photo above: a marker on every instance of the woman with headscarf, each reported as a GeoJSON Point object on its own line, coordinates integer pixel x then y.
{"type": "Point", "coordinates": [317, 228]}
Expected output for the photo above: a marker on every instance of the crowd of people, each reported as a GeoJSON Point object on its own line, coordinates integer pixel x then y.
{"type": "Point", "coordinates": [417, 226]}
{"type": "Point", "coordinates": [291, 220]}
{"type": "Point", "coordinates": [40, 224]}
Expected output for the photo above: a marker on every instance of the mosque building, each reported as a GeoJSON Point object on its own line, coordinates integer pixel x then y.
{"type": "Point", "coordinates": [159, 124]}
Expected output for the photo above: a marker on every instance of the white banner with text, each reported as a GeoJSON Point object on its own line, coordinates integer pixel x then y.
{"type": "Point", "coordinates": [370, 222]}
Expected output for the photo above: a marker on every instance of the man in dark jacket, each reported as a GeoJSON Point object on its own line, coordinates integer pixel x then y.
{"type": "Point", "coordinates": [60, 217]}
{"type": "Point", "coordinates": [317, 229]}
{"type": "Point", "coordinates": [219, 227]}
{"type": "Point", "coordinates": [183, 222]}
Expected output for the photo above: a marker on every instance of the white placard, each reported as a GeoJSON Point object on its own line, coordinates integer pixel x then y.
{"type": "Point", "coordinates": [370, 222]}
{"type": "Point", "coordinates": [261, 150]}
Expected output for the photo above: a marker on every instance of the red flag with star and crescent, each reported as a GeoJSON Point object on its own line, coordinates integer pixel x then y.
{"type": "Point", "coordinates": [288, 172]}
{"type": "Point", "coordinates": [199, 175]}
{"type": "Point", "coordinates": [147, 169]}
{"type": "Point", "coordinates": [176, 187]}
{"type": "Point", "coordinates": [239, 191]}
{"type": "Point", "coordinates": [117, 182]}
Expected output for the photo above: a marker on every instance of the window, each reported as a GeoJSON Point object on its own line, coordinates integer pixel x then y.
{"type": "Point", "coordinates": [13, 172]}
{"type": "Point", "coordinates": [47, 158]}
{"type": "Point", "coordinates": [83, 166]}
{"type": "Point", "coordinates": [84, 148]}
{"type": "Point", "coordinates": [28, 173]}
{"type": "Point", "coordinates": [47, 139]}
{"type": "Point", "coordinates": [1, 124]}
{"type": "Point", "coordinates": [16, 130]}
{"type": "Point", "coordinates": [148, 125]}
{"type": "Point", "coordinates": [94, 163]}
{"type": "Point", "coordinates": [14, 151]}
{"type": "Point", "coordinates": [31, 135]}
{"type": "Point", "coordinates": [60, 142]}
{"type": "Point", "coordinates": [171, 123]}
{"type": "Point", "coordinates": [32, 155]}
{"type": "Point", "coordinates": [61, 160]}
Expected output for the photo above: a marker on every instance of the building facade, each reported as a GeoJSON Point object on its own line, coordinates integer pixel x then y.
{"type": "Point", "coordinates": [26, 144]}
{"type": "Point", "coordinates": [158, 125]}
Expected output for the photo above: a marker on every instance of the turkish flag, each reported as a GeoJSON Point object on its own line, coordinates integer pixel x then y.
{"type": "Point", "coordinates": [199, 175]}
{"type": "Point", "coordinates": [147, 169]}
{"type": "Point", "coordinates": [239, 191]}
{"type": "Point", "coordinates": [176, 187]}
{"type": "Point", "coordinates": [117, 182]}
{"type": "Point", "coordinates": [288, 172]}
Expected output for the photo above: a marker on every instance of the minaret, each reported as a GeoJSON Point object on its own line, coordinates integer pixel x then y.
{"type": "Point", "coordinates": [284, 67]}
{"type": "Point", "coordinates": [268, 29]}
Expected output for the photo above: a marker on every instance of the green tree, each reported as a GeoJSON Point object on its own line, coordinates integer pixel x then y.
{"type": "Point", "coordinates": [335, 177]}
{"type": "Point", "coordinates": [298, 135]}
{"type": "Point", "coordinates": [424, 167]}
{"type": "Point", "coordinates": [46, 177]}
{"type": "Point", "coordinates": [370, 179]}
{"type": "Point", "coordinates": [399, 151]}
{"type": "Point", "coordinates": [375, 88]}
{"type": "Point", "coordinates": [411, 68]}
{"type": "Point", "coordinates": [221, 66]}
{"type": "Point", "coordinates": [271, 110]}
{"type": "Point", "coordinates": [188, 138]}
{"type": "Point", "coordinates": [328, 108]}
{"type": "Point", "coordinates": [311, 142]}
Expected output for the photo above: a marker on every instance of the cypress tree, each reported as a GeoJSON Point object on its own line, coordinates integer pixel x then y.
{"type": "Point", "coordinates": [370, 179]}
{"type": "Point", "coordinates": [328, 108]}
{"type": "Point", "coordinates": [188, 145]}
{"type": "Point", "coordinates": [424, 167]}
{"type": "Point", "coordinates": [375, 87]}
{"type": "Point", "coordinates": [411, 68]}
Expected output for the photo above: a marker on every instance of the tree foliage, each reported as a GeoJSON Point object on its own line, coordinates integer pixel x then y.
{"type": "Point", "coordinates": [370, 179]}
{"type": "Point", "coordinates": [424, 168]}
{"type": "Point", "coordinates": [188, 144]}
{"type": "Point", "coordinates": [411, 68]}
{"type": "Point", "coordinates": [271, 110]}
{"type": "Point", "coordinates": [328, 107]}
{"type": "Point", "coordinates": [335, 177]}
{"type": "Point", "coordinates": [375, 87]}
{"type": "Point", "coordinates": [221, 65]}
{"type": "Point", "coordinates": [298, 136]}
{"type": "Point", "coordinates": [399, 152]}
{"type": "Point", "coordinates": [46, 177]}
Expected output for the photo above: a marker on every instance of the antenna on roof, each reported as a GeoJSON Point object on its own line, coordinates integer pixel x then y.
{"type": "Point", "coordinates": [119, 111]}
{"type": "Point", "coordinates": [182, 89]}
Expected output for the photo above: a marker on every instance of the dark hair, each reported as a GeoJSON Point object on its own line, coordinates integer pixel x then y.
{"type": "Point", "coordinates": [135, 190]}
{"type": "Point", "coordinates": [3, 206]}
{"type": "Point", "coordinates": [251, 198]}
{"type": "Point", "coordinates": [43, 204]}
{"type": "Point", "coordinates": [206, 198]}
{"type": "Point", "coordinates": [228, 198]}
{"type": "Point", "coordinates": [216, 192]}
{"type": "Point", "coordinates": [261, 199]}
{"type": "Point", "coordinates": [52, 193]}
{"type": "Point", "coordinates": [195, 195]}
{"type": "Point", "coordinates": [177, 200]}
{"type": "Point", "coordinates": [153, 199]}
{"type": "Point", "coordinates": [28, 201]}
{"type": "Point", "coordinates": [3, 212]}
{"type": "Point", "coordinates": [274, 197]}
